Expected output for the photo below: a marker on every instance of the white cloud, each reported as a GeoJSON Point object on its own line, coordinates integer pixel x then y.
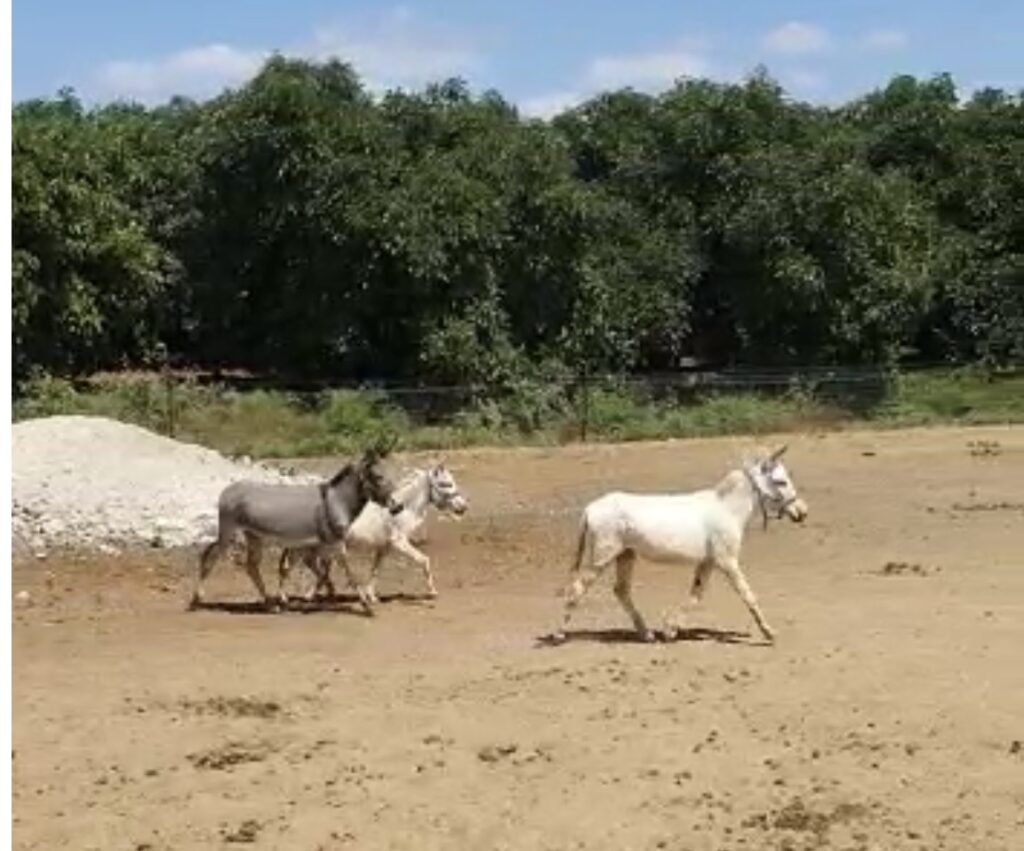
{"type": "Point", "coordinates": [399, 54]}
{"type": "Point", "coordinates": [651, 72]}
{"type": "Point", "coordinates": [966, 91]}
{"type": "Point", "coordinates": [395, 51]}
{"type": "Point", "coordinates": [197, 72]}
{"type": "Point", "coordinates": [551, 104]}
{"type": "Point", "coordinates": [804, 80]}
{"type": "Point", "coordinates": [645, 70]}
{"type": "Point", "coordinates": [797, 37]}
{"type": "Point", "coordinates": [884, 40]}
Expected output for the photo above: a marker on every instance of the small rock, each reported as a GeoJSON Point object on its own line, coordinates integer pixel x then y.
{"type": "Point", "coordinates": [23, 598]}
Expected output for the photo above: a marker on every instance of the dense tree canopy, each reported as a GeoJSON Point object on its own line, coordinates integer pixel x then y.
{"type": "Point", "coordinates": [301, 226]}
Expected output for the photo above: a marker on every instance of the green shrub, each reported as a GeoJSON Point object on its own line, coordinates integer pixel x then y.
{"type": "Point", "coordinates": [275, 424]}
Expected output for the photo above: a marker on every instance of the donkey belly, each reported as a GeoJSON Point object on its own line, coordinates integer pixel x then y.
{"type": "Point", "coordinates": [681, 543]}
{"type": "Point", "coordinates": [669, 554]}
{"type": "Point", "coordinates": [286, 541]}
{"type": "Point", "coordinates": [284, 530]}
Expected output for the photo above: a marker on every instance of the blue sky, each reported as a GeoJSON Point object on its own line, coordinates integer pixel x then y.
{"type": "Point", "coordinates": [544, 55]}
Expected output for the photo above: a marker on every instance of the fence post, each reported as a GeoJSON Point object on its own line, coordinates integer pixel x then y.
{"type": "Point", "coordinates": [168, 381]}
{"type": "Point", "coordinates": [584, 379]}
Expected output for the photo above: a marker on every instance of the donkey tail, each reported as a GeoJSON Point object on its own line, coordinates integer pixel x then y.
{"type": "Point", "coordinates": [581, 546]}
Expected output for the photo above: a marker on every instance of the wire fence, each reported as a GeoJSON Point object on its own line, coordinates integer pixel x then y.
{"type": "Point", "coordinates": [856, 390]}
{"type": "Point", "coordinates": [253, 414]}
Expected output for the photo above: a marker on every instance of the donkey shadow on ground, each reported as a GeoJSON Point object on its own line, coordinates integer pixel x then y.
{"type": "Point", "coordinates": [629, 636]}
{"type": "Point", "coordinates": [348, 604]}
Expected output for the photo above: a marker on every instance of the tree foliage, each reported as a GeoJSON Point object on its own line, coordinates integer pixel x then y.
{"type": "Point", "coordinates": [300, 226]}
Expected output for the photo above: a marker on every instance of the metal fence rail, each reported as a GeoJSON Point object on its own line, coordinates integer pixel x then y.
{"type": "Point", "coordinates": [856, 389]}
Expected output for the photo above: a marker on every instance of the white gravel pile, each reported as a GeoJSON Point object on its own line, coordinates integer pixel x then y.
{"type": "Point", "coordinates": [91, 482]}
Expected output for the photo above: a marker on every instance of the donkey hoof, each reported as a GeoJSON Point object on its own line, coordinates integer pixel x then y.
{"type": "Point", "coordinates": [194, 604]}
{"type": "Point", "coordinates": [647, 636]}
{"type": "Point", "coordinates": [555, 638]}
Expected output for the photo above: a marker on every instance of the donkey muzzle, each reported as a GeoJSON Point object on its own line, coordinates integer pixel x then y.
{"type": "Point", "coordinates": [394, 506]}
{"type": "Point", "coordinates": [797, 510]}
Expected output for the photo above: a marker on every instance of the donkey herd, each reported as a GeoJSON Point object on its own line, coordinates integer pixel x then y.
{"type": "Point", "coordinates": [359, 508]}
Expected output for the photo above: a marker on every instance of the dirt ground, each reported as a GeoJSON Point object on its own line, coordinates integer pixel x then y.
{"type": "Point", "coordinates": [889, 715]}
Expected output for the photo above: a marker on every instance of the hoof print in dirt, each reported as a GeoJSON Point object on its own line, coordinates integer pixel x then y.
{"type": "Point", "coordinates": [496, 753]}
{"type": "Point", "coordinates": [233, 707]}
{"type": "Point", "coordinates": [227, 756]}
{"type": "Point", "coordinates": [905, 568]}
{"type": "Point", "coordinates": [246, 832]}
{"type": "Point", "coordinates": [984, 448]}
{"type": "Point", "coordinates": [797, 818]}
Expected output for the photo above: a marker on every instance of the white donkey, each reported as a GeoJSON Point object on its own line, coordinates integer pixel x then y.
{"type": "Point", "coordinates": [704, 528]}
{"type": "Point", "coordinates": [379, 531]}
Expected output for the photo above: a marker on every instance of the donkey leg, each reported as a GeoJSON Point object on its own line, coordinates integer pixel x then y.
{"type": "Point", "coordinates": [364, 597]}
{"type": "Point", "coordinates": [581, 582]}
{"type": "Point", "coordinates": [321, 565]}
{"type": "Point", "coordinates": [207, 560]}
{"type": "Point", "coordinates": [731, 568]}
{"type": "Point", "coordinates": [284, 567]}
{"type": "Point", "coordinates": [423, 561]}
{"type": "Point", "coordinates": [254, 556]}
{"type": "Point", "coordinates": [676, 622]}
{"type": "Point", "coordinates": [624, 564]}
{"type": "Point", "coordinates": [371, 586]}
{"type": "Point", "coordinates": [311, 561]}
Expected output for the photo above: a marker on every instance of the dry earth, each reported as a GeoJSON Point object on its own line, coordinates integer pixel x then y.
{"type": "Point", "coordinates": [890, 715]}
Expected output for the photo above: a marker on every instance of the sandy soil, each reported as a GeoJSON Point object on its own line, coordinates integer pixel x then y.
{"type": "Point", "coordinates": [888, 716]}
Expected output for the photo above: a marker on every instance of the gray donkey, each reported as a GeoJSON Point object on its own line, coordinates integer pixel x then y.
{"type": "Point", "coordinates": [315, 516]}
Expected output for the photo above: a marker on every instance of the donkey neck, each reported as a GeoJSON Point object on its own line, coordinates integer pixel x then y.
{"type": "Point", "coordinates": [414, 493]}
{"type": "Point", "coordinates": [737, 493]}
{"type": "Point", "coordinates": [343, 499]}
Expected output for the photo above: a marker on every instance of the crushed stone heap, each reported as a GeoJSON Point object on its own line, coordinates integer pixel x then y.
{"type": "Point", "coordinates": [93, 482]}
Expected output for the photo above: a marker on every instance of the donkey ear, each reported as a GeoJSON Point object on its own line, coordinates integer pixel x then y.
{"type": "Point", "coordinates": [382, 447]}
{"type": "Point", "coordinates": [778, 453]}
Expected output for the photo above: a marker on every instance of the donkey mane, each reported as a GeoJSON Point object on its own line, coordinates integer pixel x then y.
{"type": "Point", "coordinates": [343, 473]}
{"type": "Point", "coordinates": [408, 478]}
{"type": "Point", "coordinates": [729, 482]}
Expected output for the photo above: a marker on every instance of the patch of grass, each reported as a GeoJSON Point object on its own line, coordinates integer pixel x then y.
{"type": "Point", "coordinates": [964, 396]}
{"type": "Point", "coordinates": [270, 424]}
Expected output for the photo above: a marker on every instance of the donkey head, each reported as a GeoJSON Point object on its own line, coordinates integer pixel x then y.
{"type": "Point", "coordinates": [444, 490]}
{"type": "Point", "coordinates": [777, 487]}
